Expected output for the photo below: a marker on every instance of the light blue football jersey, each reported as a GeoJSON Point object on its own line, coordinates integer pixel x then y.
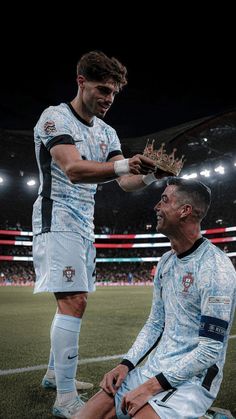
{"type": "Point", "coordinates": [62, 205]}
{"type": "Point", "coordinates": [191, 316]}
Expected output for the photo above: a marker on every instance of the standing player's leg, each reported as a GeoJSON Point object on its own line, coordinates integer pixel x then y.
{"type": "Point", "coordinates": [49, 381]}
{"type": "Point", "coordinates": [65, 348]}
{"type": "Point", "coordinates": [63, 266]}
{"type": "Point", "coordinates": [79, 275]}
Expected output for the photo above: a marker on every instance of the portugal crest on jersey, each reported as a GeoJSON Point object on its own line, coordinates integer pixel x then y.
{"type": "Point", "coordinates": [187, 281]}
{"type": "Point", "coordinates": [103, 147]}
{"type": "Point", "coordinates": [68, 272]}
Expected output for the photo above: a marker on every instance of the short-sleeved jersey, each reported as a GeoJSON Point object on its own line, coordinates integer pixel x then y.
{"type": "Point", "coordinates": [190, 320]}
{"type": "Point", "coordinates": [62, 205]}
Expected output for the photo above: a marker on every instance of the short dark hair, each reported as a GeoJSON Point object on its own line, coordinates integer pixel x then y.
{"type": "Point", "coordinates": [194, 192]}
{"type": "Point", "coordinates": [97, 66]}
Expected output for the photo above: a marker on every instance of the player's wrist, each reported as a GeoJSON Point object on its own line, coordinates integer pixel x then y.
{"type": "Point", "coordinates": [153, 386]}
{"type": "Point", "coordinates": [121, 167]}
{"type": "Point", "coordinates": [149, 178]}
{"type": "Point", "coordinates": [128, 364]}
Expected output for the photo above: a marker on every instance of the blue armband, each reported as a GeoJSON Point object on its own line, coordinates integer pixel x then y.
{"type": "Point", "coordinates": [213, 328]}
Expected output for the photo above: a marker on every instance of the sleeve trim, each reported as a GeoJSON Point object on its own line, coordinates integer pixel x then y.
{"type": "Point", "coordinates": [114, 153]}
{"type": "Point", "coordinates": [60, 139]}
{"type": "Point", "coordinates": [163, 381]}
{"type": "Point", "coordinates": [128, 364]}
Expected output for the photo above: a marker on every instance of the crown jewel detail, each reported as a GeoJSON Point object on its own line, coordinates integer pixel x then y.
{"type": "Point", "coordinates": [164, 161]}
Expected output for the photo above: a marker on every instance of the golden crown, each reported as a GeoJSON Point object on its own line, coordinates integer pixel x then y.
{"type": "Point", "coordinates": [164, 161]}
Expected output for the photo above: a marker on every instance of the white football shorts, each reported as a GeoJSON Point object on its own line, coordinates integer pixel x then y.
{"type": "Point", "coordinates": [64, 262]}
{"type": "Point", "coordinates": [188, 401]}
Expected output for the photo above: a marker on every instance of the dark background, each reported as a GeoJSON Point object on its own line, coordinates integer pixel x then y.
{"type": "Point", "coordinates": [159, 94]}
{"type": "Point", "coordinates": [175, 75]}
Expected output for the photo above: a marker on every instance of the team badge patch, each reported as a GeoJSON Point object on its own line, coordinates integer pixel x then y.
{"type": "Point", "coordinates": [187, 281]}
{"type": "Point", "coordinates": [219, 299]}
{"type": "Point", "coordinates": [69, 272]}
{"type": "Point", "coordinates": [49, 127]}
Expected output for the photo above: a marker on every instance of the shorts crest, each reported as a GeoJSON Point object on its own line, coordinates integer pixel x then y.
{"type": "Point", "coordinates": [69, 272]}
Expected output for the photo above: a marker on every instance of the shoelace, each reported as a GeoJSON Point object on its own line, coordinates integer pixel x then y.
{"type": "Point", "coordinates": [84, 397]}
{"type": "Point", "coordinates": [76, 405]}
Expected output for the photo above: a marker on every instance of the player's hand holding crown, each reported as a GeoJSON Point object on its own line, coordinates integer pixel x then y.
{"type": "Point", "coordinates": [141, 165]}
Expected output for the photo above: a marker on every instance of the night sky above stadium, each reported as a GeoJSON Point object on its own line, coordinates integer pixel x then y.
{"type": "Point", "coordinates": [172, 79]}
{"type": "Point", "coordinates": [168, 85]}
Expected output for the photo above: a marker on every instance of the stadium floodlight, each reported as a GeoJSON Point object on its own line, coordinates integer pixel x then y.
{"type": "Point", "coordinates": [190, 176]}
{"type": "Point", "coordinates": [31, 182]}
{"type": "Point", "coordinates": [220, 169]}
{"type": "Point", "coordinates": [205, 173]}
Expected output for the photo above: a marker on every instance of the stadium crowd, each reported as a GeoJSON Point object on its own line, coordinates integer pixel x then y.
{"type": "Point", "coordinates": [22, 273]}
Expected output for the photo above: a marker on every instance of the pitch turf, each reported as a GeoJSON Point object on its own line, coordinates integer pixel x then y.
{"type": "Point", "coordinates": [113, 317]}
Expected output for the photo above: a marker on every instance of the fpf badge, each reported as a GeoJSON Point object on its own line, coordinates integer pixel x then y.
{"type": "Point", "coordinates": [187, 281]}
{"type": "Point", "coordinates": [69, 273]}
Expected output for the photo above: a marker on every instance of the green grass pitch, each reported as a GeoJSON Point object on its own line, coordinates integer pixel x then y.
{"type": "Point", "coordinates": [112, 320]}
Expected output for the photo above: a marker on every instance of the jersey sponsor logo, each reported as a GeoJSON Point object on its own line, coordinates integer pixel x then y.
{"type": "Point", "coordinates": [68, 272]}
{"type": "Point", "coordinates": [103, 147]}
{"type": "Point", "coordinates": [219, 299]}
{"type": "Point", "coordinates": [49, 127]}
{"type": "Point", "coordinates": [187, 281]}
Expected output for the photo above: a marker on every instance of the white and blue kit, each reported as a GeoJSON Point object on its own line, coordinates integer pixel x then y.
{"type": "Point", "coordinates": [64, 207]}
{"type": "Point", "coordinates": [187, 332]}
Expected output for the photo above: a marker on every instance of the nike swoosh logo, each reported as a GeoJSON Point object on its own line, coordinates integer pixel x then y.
{"type": "Point", "coordinates": [71, 357]}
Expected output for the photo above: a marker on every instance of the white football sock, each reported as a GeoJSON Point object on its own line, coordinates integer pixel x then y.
{"type": "Point", "coordinates": [65, 344]}
{"type": "Point", "coordinates": [50, 371]}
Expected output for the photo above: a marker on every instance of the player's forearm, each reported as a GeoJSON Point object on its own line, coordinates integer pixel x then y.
{"type": "Point", "coordinates": [86, 171]}
{"type": "Point", "coordinates": [90, 171]}
{"type": "Point", "coordinates": [146, 340]}
{"type": "Point", "coordinates": [204, 356]}
{"type": "Point", "coordinates": [130, 183]}
{"type": "Point", "coordinates": [150, 334]}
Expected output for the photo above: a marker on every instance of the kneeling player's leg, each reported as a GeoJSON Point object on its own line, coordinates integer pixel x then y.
{"type": "Point", "coordinates": [146, 412]}
{"type": "Point", "coordinates": [100, 406]}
